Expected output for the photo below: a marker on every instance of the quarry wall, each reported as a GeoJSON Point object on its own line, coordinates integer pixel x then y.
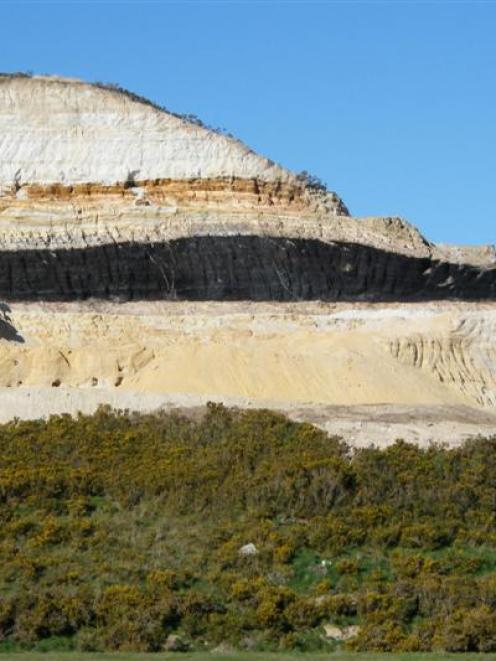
{"type": "Point", "coordinates": [148, 261]}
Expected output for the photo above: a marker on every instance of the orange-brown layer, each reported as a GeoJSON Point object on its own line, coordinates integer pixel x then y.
{"type": "Point", "coordinates": [192, 191]}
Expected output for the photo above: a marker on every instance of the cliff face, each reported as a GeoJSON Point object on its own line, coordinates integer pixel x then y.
{"type": "Point", "coordinates": [104, 195]}
{"type": "Point", "coordinates": [106, 199]}
{"type": "Point", "coordinates": [66, 131]}
{"type": "Point", "coordinates": [373, 372]}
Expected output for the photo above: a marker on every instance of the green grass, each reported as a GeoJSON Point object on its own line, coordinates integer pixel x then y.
{"type": "Point", "coordinates": [306, 570]}
{"type": "Point", "coordinates": [240, 656]}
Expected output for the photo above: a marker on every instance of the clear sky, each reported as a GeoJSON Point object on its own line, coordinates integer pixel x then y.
{"type": "Point", "coordinates": [392, 104]}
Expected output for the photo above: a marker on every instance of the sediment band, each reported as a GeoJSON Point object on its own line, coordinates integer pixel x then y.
{"type": "Point", "coordinates": [237, 268]}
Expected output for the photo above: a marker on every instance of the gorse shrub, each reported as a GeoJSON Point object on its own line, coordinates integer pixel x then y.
{"type": "Point", "coordinates": [120, 529]}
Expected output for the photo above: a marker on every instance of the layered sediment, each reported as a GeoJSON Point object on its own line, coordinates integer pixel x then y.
{"type": "Point", "coordinates": [150, 259]}
{"type": "Point", "coordinates": [236, 268]}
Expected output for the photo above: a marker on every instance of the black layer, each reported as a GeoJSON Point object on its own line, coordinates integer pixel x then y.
{"type": "Point", "coordinates": [217, 268]}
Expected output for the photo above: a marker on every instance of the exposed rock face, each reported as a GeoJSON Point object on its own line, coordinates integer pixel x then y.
{"type": "Point", "coordinates": [236, 268]}
{"type": "Point", "coordinates": [373, 372]}
{"type": "Point", "coordinates": [109, 205]}
{"type": "Point", "coordinates": [66, 131]}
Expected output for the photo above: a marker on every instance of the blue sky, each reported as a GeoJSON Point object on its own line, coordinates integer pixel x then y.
{"type": "Point", "coordinates": [392, 104]}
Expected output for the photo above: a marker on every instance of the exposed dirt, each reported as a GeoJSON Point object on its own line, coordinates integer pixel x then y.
{"type": "Point", "coordinates": [371, 372]}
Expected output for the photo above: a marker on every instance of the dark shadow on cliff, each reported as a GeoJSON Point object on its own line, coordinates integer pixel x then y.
{"type": "Point", "coordinates": [7, 329]}
{"type": "Point", "coordinates": [234, 268]}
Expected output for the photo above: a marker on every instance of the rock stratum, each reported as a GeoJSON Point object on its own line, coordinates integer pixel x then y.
{"type": "Point", "coordinates": [148, 261]}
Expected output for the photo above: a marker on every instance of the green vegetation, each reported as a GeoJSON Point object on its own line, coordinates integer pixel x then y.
{"type": "Point", "coordinates": [311, 181]}
{"type": "Point", "coordinates": [121, 530]}
{"type": "Point", "coordinates": [236, 655]}
{"type": "Point", "coordinates": [244, 656]}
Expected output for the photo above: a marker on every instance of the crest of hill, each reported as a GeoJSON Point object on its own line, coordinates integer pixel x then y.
{"type": "Point", "coordinates": [56, 133]}
{"type": "Point", "coordinates": [59, 130]}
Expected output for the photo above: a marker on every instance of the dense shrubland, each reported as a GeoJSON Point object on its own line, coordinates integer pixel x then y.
{"type": "Point", "coordinates": [118, 530]}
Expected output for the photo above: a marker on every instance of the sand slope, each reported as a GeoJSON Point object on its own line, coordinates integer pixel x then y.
{"type": "Point", "coordinates": [311, 355]}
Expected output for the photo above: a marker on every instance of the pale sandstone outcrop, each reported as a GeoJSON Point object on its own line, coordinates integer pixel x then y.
{"type": "Point", "coordinates": [84, 165]}
{"type": "Point", "coordinates": [54, 130]}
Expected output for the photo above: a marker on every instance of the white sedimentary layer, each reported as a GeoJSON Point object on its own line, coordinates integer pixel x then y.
{"type": "Point", "coordinates": [65, 131]}
{"type": "Point", "coordinates": [41, 227]}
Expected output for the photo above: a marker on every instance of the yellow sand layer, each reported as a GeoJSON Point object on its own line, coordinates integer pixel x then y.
{"type": "Point", "coordinates": [343, 355]}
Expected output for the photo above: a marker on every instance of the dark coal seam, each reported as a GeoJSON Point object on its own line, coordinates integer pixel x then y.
{"type": "Point", "coordinates": [231, 268]}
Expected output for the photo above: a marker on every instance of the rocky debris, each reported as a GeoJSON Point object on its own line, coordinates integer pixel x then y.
{"type": "Point", "coordinates": [175, 643]}
{"type": "Point", "coordinates": [249, 643]}
{"type": "Point", "coordinates": [248, 549]}
{"type": "Point", "coordinates": [224, 648]}
{"type": "Point", "coordinates": [341, 633]}
{"type": "Point", "coordinates": [476, 255]}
